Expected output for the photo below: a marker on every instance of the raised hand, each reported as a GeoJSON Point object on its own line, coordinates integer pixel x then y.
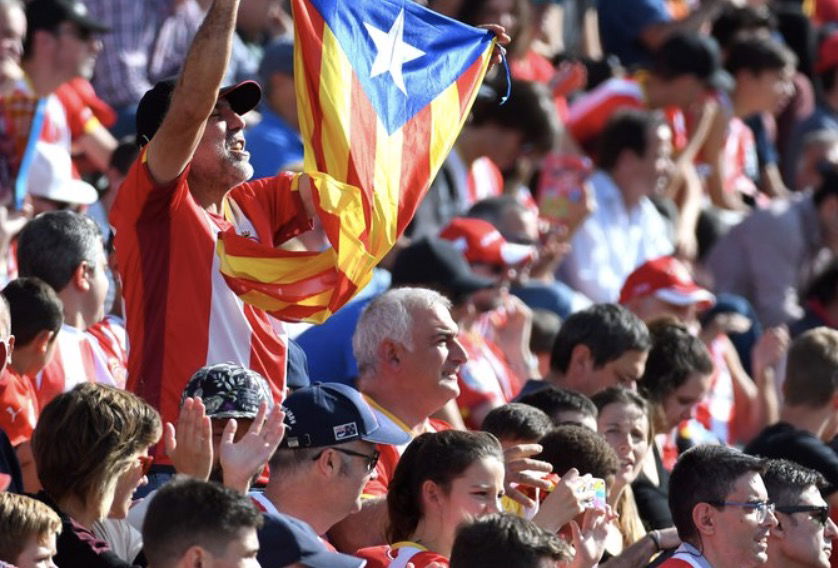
{"type": "Point", "coordinates": [242, 460]}
{"type": "Point", "coordinates": [189, 446]}
{"type": "Point", "coordinates": [521, 470]}
{"type": "Point", "coordinates": [564, 503]}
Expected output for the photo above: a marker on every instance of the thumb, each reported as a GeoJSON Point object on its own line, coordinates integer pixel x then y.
{"type": "Point", "coordinates": [169, 439]}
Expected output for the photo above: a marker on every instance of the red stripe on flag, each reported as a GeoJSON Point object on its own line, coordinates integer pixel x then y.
{"type": "Point", "coordinates": [416, 165]}
{"type": "Point", "coordinates": [309, 25]}
{"type": "Point", "coordinates": [467, 83]}
{"type": "Point", "coordinates": [362, 142]}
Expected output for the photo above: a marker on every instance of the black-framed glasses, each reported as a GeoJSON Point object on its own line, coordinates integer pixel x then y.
{"type": "Point", "coordinates": [762, 508]}
{"type": "Point", "coordinates": [372, 459]}
{"type": "Point", "coordinates": [819, 512]}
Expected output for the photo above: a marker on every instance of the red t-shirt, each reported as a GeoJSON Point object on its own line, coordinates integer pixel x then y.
{"type": "Point", "coordinates": [398, 555]}
{"type": "Point", "coordinates": [180, 313]}
{"type": "Point", "coordinates": [18, 406]}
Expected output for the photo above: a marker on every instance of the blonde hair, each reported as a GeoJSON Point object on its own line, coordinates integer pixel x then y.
{"type": "Point", "coordinates": [628, 520]}
{"type": "Point", "coordinates": [22, 518]}
{"type": "Point", "coordinates": [85, 439]}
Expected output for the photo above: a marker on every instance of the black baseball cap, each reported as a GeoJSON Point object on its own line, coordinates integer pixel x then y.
{"type": "Point", "coordinates": [328, 414]}
{"type": "Point", "coordinates": [692, 53]}
{"type": "Point", "coordinates": [242, 97]}
{"type": "Point", "coordinates": [48, 14]}
{"type": "Point", "coordinates": [436, 263]}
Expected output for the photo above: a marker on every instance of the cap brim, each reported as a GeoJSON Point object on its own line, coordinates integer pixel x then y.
{"type": "Point", "coordinates": [514, 254]}
{"type": "Point", "coordinates": [678, 297]}
{"type": "Point", "coordinates": [721, 80]}
{"type": "Point", "coordinates": [469, 283]}
{"type": "Point", "coordinates": [73, 191]}
{"type": "Point", "coordinates": [243, 97]}
{"type": "Point", "coordinates": [388, 432]}
{"type": "Point", "coordinates": [88, 24]}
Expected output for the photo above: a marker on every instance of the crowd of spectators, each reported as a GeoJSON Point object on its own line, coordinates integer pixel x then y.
{"type": "Point", "coordinates": [608, 336]}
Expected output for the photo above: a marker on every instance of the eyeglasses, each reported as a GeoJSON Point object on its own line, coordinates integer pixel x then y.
{"type": "Point", "coordinates": [762, 508]}
{"type": "Point", "coordinates": [372, 459]}
{"type": "Point", "coordinates": [819, 513]}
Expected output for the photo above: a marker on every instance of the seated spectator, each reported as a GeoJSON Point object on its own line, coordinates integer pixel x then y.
{"type": "Point", "coordinates": [676, 381]}
{"type": "Point", "coordinates": [28, 530]}
{"type": "Point", "coordinates": [563, 406]}
{"type": "Point", "coordinates": [50, 182]}
{"type": "Point", "coordinates": [804, 532]}
{"type": "Point", "coordinates": [195, 523]}
{"type": "Point", "coordinates": [769, 253]}
{"type": "Point", "coordinates": [626, 229]}
{"type": "Point", "coordinates": [91, 452]}
{"type": "Point", "coordinates": [517, 423]}
{"type": "Point", "coordinates": [810, 394]}
{"type": "Point", "coordinates": [325, 459]}
{"type": "Point", "coordinates": [600, 347]}
{"type": "Point", "coordinates": [36, 321]}
{"type": "Point", "coordinates": [507, 541]}
{"type": "Point", "coordinates": [433, 491]}
{"type": "Point", "coordinates": [721, 509]}
{"type": "Point", "coordinates": [64, 249]}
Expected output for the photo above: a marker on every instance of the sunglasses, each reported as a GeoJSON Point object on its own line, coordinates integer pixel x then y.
{"type": "Point", "coordinates": [819, 513]}
{"type": "Point", "coordinates": [371, 459]}
{"type": "Point", "coordinates": [146, 463]}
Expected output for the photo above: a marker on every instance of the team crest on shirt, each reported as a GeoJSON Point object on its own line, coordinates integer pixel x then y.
{"type": "Point", "coordinates": [345, 431]}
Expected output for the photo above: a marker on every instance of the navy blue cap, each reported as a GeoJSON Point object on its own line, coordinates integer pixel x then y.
{"type": "Point", "coordinates": [278, 57]}
{"type": "Point", "coordinates": [327, 414]}
{"type": "Point", "coordinates": [296, 377]}
{"type": "Point", "coordinates": [286, 541]}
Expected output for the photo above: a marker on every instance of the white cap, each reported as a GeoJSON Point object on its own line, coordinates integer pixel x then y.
{"type": "Point", "coordinates": [51, 177]}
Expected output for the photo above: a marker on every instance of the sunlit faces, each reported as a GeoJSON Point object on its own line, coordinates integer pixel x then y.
{"type": "Point", "coordinates": [431, 362]}
{"type": "Point", "coordinates": [12, 32]}
{"type": "Point", "coordinates": [240, 552]}
{"type": "Point", "coordinates": [38, 552]}
{"type": "Point", "coordinates": [626, 429]}
{"type": "Point", "coordinates": [353, 478]}
{"type": "Point", "coordinates": [132, 478]}
{"type": "Point", "coordinates": [800, 539]}
{"type": "Point", "coordinates": [680, 403]}
{"type": "Point", "coordinates": [658, 158]}
{"type": "Point", "coordinates": [624, 371]}
{"type": "Point", "coordinates": [650, 307]}
{"type": "Point", "coordinates": [475, 493]}
{"type": "Point", "coordinates": [98, 288]}
{"type": "Point", "coordinates": [220, 157]}
{"type": "Point", "coordinates": [741, 533]}
{"type": "Point", "coordinates": [768, 90]}
{"type": "Point", "coordinates": [75, 50]}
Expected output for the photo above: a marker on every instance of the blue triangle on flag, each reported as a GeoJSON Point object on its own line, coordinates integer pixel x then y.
{"type": "Point", "coordinates": [403, 54]}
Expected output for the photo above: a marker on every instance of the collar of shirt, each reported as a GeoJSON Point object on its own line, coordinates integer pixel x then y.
{"type": "Point", "coordinates": [692, 555]}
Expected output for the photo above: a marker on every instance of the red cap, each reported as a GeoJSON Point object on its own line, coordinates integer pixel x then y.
{"type": "Point", "coordinates": [669, 280]}
{"type": "Point", "coordinates": [5, 481]}
{"type": "Point", "coordinates": [828, 53]}
{"type": "Point", "coordinates": [479, 241]}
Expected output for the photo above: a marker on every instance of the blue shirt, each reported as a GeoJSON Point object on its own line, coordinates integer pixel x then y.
{"type": "Point", "coordinates": [273, 145]}
{"type": "Point", "coordinates": [622, 21]}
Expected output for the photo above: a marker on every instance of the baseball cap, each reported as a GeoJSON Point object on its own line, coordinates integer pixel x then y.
{"type": "Point", "coordinates": [48, 14]}
{"type": "Point", "coordinates": [242, 97]}
{"type": "Point", "coordinates": [479, 241]}
{"type": "Point", "coordinates": [290, 541]}
{"type": "Point", "coordinates": [278, 57]}
{"type": "Point", "coordinates": [828, 53]}
{"type": "Point", "coordinates": [669, 280]}
{"type": "Point", "coordinates": [228, 390]}
{"type": "Point", "coordinates": [327, 414]}
{"type": "Point", "coordinates": [435, 262]}
{"type": "Point", "coordinates": [51, 177]}
{"type": "Point", "coordinates": [692, 53]}
{"type": "Point", "coordinates": [296, 373]}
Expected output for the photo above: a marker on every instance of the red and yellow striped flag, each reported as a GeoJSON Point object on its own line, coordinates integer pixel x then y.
{"type": "Point", "coordinates": [383, 89]}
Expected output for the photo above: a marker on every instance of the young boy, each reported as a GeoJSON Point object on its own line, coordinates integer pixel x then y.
{"type": "Point", "coordinates": [28, 530]}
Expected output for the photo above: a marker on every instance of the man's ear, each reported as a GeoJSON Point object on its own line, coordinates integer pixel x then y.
{"type": "Point", "coordinates": [389, 352]}
{"type": "Point", "coordinates": [194, 557]}
{"type": "Point", "coordinates": [704, 519]}
{"type": "Point", "coordinates": [80, 278]}
{"type": "Point", "coordinates": [581, 361]}
{"type": "Point", "coordinates": [328, 464]}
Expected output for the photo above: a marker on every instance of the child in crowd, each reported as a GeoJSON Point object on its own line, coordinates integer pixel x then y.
{"type": "Point", "coordinates": [28, 530]}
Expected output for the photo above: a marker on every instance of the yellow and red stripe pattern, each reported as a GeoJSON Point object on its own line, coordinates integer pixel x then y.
{"type": "Point", "coordinates": [370, 150]}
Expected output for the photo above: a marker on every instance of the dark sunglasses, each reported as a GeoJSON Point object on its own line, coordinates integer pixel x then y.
{"type": "Point", "coordinates": [819, 513]}
{"type": "Point", "coordinates": [372, 459]}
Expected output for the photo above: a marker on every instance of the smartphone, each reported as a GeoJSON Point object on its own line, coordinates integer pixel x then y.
{"type": "Point", "coordinates": [596, 486]}
{"type": "Point", "coordinates": [560, 184]}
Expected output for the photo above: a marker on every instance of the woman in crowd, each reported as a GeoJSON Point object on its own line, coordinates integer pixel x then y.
{"type": "Point", "coordinates": [442, 479]}
{"type": "Point", "coordinates": [91, 449]}
{"type": "Point", "coordinates": [676, 380]}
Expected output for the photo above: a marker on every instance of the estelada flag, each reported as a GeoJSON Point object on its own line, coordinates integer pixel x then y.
{"type": "Point", "coordinates": [383, 88]}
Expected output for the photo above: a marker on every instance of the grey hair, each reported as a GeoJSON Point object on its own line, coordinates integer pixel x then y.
{"type": "Point", "coordinates": [390, 316]}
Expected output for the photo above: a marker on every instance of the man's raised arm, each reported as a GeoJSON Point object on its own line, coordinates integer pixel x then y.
{"type": "Point", "coordinates": [195, 94]}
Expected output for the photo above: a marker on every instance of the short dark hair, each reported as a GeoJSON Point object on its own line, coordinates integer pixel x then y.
{"type": "Point", "coordinates": [735, 20]}
{"type": "Point", "coordinates": [628, 129]}
{"type": "Point", "coordinates": [505, 541]}
{"type": "Point", "coordinates": [786, 481]}
{"type": "Point", "coordinates": [34, 307]}
{"type": "Point", "coordinates": [757, 54]}
{"type": "Point", "coordinates": [516, 421]}
{"type": "Point", "coordinates": [608, 330]}
{"type": "Point", "coordinates": [55, 243]}
{"type": "Point", "coordinates": [812, 368]}
{"type": "Point", "coordinates": [553, 400]}
{"type": "Point", "coordinates": [705, 474]}
{"type": "Point", "coordinates": [675, 355]}
{"type": "Point", "coordinates": [440, 457]}
{"type": "Point", "coordinates": [529, 110]}
{"type": "Point", "coordinates": [493, 209]}
{"type": "Point", "coordinates": [544, 330]}
{"type": "Point", "coordinates": [187, 512]}
{"type": "Point", "coordinates": [570, 446]}
{"type": "Point", "coordinates": [824, 286]}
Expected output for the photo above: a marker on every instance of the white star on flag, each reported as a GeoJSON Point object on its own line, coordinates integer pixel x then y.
{"type": "Point", "coordinates": [392, 51]}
